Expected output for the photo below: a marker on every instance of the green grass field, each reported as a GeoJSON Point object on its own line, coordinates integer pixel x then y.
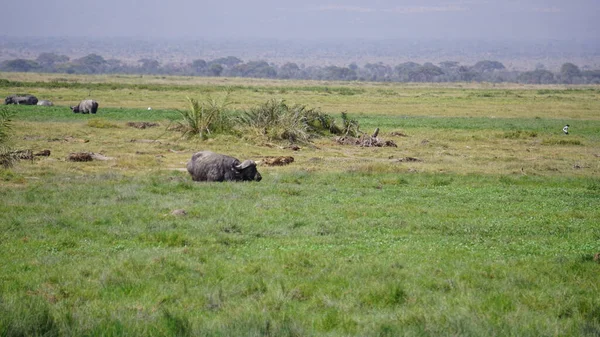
{"type": "Point", "coordinates": [492, 232]}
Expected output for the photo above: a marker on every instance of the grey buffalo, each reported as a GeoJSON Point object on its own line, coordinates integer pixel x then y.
{"type": "Point", "coordinates": [85, 107]}
{"type": "Point", "coordinates": [44, 102]}
{"type": "Point", "coordinates": [210, 166]}
{"type": "Point", "coordinates": [24, 99]}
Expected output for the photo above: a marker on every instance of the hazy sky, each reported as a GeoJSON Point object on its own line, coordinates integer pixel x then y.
{"type": "Point", "coordinates": [311, 19]}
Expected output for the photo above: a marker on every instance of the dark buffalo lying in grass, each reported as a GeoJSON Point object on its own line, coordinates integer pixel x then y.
{"type": "Point", "coordinates": [210, 166]}
{"type": "Point", "coordinates": [85, 107]}
{"type": "Point", "coordinates": [23, 99]}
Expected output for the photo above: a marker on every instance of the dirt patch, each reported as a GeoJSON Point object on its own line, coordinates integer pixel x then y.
{"type": "Point", "coordinates": [278, 161]}
{"type": "Point", "coordinates": [43, 153]}
{"type": "Point", "coordinates": [86, 156]}
{"type": "Point", "coordinates": [80, 156]}
{"type": "Point", "coordinates": [69, 139]}
{"type": "Point", "coordinates": [32, 137]}
{"type": "Point", "coordinates": [409, 160]}
{"type": "Point", "coordinates": [144, 141]}
{"type": "Point", "coordinates": [142, 125]}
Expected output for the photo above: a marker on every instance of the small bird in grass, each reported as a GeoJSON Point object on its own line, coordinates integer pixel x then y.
{"type": "Point", "coordinates": [566, 129]}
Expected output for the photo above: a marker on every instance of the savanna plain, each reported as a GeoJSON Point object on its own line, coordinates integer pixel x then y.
{"type": "Point", "coordinates": [483, 221]}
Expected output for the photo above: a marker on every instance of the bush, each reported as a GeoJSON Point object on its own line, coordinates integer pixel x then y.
{"type": "Point", "coordinates": [279, 121]}
{"type": "Point", "coordinates": [203, 119]}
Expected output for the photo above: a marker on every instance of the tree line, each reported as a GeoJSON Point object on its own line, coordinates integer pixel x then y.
{"type": "Point", "coordinates": [231, 66]}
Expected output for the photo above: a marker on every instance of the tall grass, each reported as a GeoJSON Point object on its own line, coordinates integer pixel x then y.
{"type": "Point", "coordinates": [202, 118]}
{"type": "Point", "coordinates": [277, 120]}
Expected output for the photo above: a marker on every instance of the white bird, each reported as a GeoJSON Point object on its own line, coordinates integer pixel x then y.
{"type": "Point", "coordinates": [149, 108]}
{"type": "Point", "coordinates": [566, 129]}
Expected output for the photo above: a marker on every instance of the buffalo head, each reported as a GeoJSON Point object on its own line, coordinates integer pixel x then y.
{"type": "Point", "coordinates": [247, 170]}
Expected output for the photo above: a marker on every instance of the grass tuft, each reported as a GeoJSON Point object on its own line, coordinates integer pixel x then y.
{"type": "Point", "coordinates": [561, 141]}
{"type": "Point", "coordinates": [100, 123]}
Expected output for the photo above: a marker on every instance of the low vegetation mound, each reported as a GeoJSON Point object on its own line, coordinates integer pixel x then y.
{"type": "Point", "coordinates": [274, 120]}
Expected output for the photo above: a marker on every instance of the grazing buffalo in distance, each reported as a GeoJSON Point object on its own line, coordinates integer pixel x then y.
{"type": "Point", "coordinates": [24, 99]}
{"type": "Point", "coordinates": [210, 166]}
{"type": "Point", "coordinates": [45, 102]}
{"type": "Point", "coordinates": [86, 106]}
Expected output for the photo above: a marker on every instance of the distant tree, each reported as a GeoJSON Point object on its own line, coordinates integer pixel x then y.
{"type": "Point", "coordinates": [486, 66]}
{"type": "Point", "coordinates": [215, 69]}
{"type": "Point", "coordinates": [21, 65]}
{"type": "Point", "coordinates": [407, 67]}
{"type": "Point", "coordinates": [538, 76]}
{"type": "Point", "coordinates": [452, 71]}
{"type": "Point", "coordinates": [228, 61]}
{"type": "Point", "coordinates": [199, 66]}
{"type": "Point", "coordinates": [149, 66]}
{"type": "Point", "coordinates": [339, 73]}
{"type": "Point", "coordinates": [449, 65]}
{"type": "Point", "coordinates": [90, 64]}
{"type": "Point", "coordinates": [403, 70]}
{"type": "Point", "coordinates": [591, 76]}
{"type": "Point", "coordinates": [289, 70]}
{"type": "Point", "coordinates": [50, 59]}
{"type": "Point", "coordinates": [378, 72]}
{"type": "Point", "coordinates": [465, 74]}
{"type": "Point", "coordinates": [91, 60]}
{"type": "Point", "coordinates": [260, 69]}
{"type": "Point", "coordinates": [569, 73]}
{"type": "Point", "coordinates": [426, 73]}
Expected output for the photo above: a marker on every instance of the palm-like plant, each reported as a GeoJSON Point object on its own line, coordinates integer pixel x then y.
{"type": "Point", "coordinates": [202, 119]}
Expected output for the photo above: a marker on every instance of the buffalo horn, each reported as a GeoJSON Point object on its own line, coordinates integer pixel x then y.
{"type": "Point", "coordinates": [245, 164]}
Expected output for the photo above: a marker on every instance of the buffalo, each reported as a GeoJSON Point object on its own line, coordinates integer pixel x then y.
{"type": "Point", "coordinates": [23, 99]}
{"type": "Point", "coordinates": [210, 166]}
{"type": "Point", "coordinates": [85, 107]}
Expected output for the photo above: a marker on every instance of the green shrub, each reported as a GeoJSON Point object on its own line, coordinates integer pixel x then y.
{"type": "Point", "coordinates": [203, 119]}
{"type": "Point", "coordinates": [278, 121]}
{"type": "Point", "coordinates": [351, 127]}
